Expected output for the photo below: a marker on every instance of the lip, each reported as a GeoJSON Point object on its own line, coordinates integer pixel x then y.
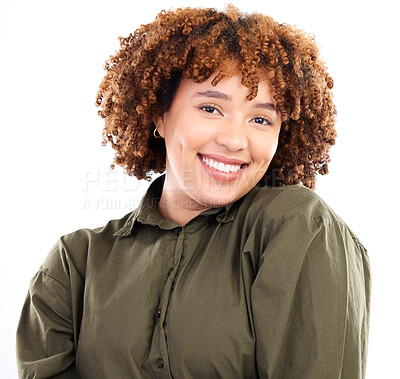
{"type": "Point", "coordinates": [224, 160]}
{"type": "Point", "coordinates": [220, 176]}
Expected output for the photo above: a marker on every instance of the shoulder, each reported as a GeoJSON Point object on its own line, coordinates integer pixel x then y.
{"type": "Point", "coordinates": [287, 202]}
{"type": "Point", "coordinates": [293, 211]}
{"type": "Point", "coordinates": [83, 237]}
{"type": "Point", "coordinates": [71, 250]}
{"type": "Point", "coordinates": [294, 229]}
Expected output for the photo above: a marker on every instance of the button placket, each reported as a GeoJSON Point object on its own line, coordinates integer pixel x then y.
{"type": "Point", "coordinates": [160, 363]}
{"type": "Point", "coordinates": [170, 271]}
{"type": "Point", "coordinates": [179, 246]}
{"type": "Point", "coordinates": [171, 277]}
{"type": "Point", "coordinates": [159, 357]}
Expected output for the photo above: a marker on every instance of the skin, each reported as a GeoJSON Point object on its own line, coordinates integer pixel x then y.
{"type": "Point", "coordinates": [217, 124]}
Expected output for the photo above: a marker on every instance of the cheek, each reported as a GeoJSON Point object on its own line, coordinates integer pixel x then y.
{"type": "Point", "coordinates": [192, 134]}
{"type": "Point", "coordinates": [264, 149]}
{"type": "Point", "coordinates": [182, 141]}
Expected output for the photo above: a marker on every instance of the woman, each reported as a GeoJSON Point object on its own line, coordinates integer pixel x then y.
{"type": "Point", "coordinates": [230, 267]}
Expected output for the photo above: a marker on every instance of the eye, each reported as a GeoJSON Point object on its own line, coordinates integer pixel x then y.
{"type": "Point", "coordinates": [262, 120]}
{"type": "Point", "coordinates": [212, 109]}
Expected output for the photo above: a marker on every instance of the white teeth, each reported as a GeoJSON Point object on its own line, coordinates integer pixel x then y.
{"type": "Point", "coordinates": [220, 166]}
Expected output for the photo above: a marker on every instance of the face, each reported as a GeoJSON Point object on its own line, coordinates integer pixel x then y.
{"type": "Point", "coordinates": [218, 143]}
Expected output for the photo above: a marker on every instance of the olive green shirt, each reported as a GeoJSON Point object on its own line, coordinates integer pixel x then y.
{"type": "Point", "coordinates": [273, 286]}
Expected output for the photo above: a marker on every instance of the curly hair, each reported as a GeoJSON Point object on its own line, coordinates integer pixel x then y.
{"type": "Point", "coordinates": [144, 74]}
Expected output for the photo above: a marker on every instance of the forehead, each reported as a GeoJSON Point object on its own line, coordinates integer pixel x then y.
{"type": "Point", "coordinates": [229, 88]}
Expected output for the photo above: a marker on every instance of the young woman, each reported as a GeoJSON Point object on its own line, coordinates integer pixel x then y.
{"type": "Point", "coordinates": [232, 266]}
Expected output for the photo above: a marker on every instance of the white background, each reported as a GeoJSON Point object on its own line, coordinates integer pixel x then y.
{"type": "Point", "coordinates": [55, 173]}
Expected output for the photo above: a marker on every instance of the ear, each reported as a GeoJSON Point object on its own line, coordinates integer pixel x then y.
{"type": "Point", "coordinates": [159, 122]}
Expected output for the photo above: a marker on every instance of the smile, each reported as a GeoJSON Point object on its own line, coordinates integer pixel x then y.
{"type": "Point", "coordinates": [221, 166]}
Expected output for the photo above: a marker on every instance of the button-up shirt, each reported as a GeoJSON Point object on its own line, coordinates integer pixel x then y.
{"type": "Point", "coordinates": [273, 286]}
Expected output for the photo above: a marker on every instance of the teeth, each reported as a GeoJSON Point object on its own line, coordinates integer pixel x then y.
{"type": "Point", "coordinates": [220, 166]}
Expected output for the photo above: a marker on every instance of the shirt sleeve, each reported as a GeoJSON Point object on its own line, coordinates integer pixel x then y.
{"type": "Point", "coordinates": [310, 302]}
{"type": "Point", "coordinates": [50, 320]}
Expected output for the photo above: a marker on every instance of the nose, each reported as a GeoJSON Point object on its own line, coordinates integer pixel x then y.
{"type": "Point", "coordinates": [233, 135]}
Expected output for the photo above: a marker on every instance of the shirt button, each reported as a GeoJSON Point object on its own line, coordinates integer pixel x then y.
{"type": "Point", "coordinates": [160, 363]}
{"type": "Point", "coordinates": [158, 313]}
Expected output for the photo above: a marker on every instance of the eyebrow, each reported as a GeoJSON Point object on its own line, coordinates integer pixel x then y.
{"type": "Point", "coordinates": [266, 105]}
{"type": "Point", "coordinates": [224, 96]}
{"type": "Point", "coordinates": [214, 94]}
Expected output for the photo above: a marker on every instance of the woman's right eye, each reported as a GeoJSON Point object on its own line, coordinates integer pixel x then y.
{"type": "Point", "coordinates": [210, 109]}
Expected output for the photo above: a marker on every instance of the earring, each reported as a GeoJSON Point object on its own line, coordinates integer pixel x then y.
{"type": "Point", "coordinates": [156, 134]}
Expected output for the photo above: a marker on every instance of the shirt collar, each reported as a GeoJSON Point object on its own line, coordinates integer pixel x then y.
{"type": "Point", "coordinates": [147, 213]}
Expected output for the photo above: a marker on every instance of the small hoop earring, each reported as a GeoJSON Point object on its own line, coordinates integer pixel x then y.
{"type": "Point", "coordinates": [156, 134]}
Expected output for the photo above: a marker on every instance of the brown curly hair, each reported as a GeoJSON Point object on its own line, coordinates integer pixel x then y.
{"type": "Point", "coordinates": [143, 76]}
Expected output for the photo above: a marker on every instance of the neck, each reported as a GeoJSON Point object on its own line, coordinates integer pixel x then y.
{"type": "Point", "coordinates": [180, 209]}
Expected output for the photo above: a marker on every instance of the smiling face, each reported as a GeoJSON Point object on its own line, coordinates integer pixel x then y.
{"type": "Point", "coordinates": [218, 143]}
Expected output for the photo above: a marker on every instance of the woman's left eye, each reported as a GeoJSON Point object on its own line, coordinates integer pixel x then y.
{"type": "Point", "coordinates": [262, 121]}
